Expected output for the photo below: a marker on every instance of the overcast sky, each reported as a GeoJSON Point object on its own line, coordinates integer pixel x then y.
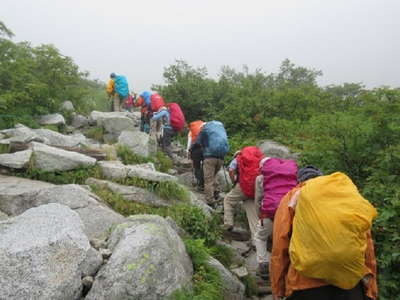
{"type": "Point", "coordinates": [349, 40]}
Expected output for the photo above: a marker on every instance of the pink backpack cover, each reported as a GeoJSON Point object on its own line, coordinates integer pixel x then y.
{"type": "Point", "coordinates": [280, 176]}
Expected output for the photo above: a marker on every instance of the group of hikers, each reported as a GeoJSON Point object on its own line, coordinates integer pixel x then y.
{"type": "Point", "coordinates": [319, 225]}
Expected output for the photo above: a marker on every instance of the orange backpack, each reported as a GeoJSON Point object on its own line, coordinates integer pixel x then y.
{"type": "Point", "coordinates": [195, 128]}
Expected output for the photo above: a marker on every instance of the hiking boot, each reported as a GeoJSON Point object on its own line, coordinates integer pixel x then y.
{"type": "Point", "coordinates": [263, 270]}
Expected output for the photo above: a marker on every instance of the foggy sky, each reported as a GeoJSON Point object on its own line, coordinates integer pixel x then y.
{"type": "Point", "coordinates": [349, 40]}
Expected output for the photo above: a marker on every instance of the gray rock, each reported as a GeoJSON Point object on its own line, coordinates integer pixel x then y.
{"type": "Point", "coordinates": [79, 121]}
{"type": "Point", "coordinates": [195, 200]}
{"type": "Point", "coordinates": [148, 166]}
{"type": "Point", "coordinates": [54, 138]}
{"type": "Point", "coordinates": [105, 253]}
{"type": "Point", "coordinates": [52, 119]}
{"type": "Point", "coordinates": [187, 179]}
{"type": "Point", "coordinates": [48, 158]}
{"type": "Point", "coordinates": [223, 180]}
{"type": "Point", "coordinates": [240, 272]}
{"type": "Point", "coordinates": [19, 194]}
{"type": "Point", "coordinates": [233, 288]}
{"type": "Point", "coordinates": [67, 105]}
{"type": "Point", "coordinates": [21, 134]}
{"type": "Point", "coordinates": [149, 262]}
{"type": "Point", "coordinates": [92, 263]}
{"type": "Point", "coordinates": [137, 141]}
{"type": "Point", "coordinates": [113, 169]}
{"type": "Point", "coordinates": [274, 149]}
{"type": "Point", "coordinates": [87, 282]}
{"type": "Point", "coordinates": [97, 217]}
{"type": "Point", "coordinates": [98, 243]}
{"type": "Point", "coordinates": [135, 171]}
{"type": "Point", "coordinates": [118, 124]}
{"type": "Point", "coordinates": [17, 160]}
{"type": "Point", "coordinates": [172, 172]}
{"type": "Point", "coordinates": [41, 252]}
{"type": "Point", "coordinates": [110, 138]}
{"type": "Point", "coordinates": [3, 216]}
{"type": "Point", "coordinates": [2, 136]}
{"type": "Point", "coordinates": [131, 193]}
{"type": "Point", "coordinates": [97, 116]}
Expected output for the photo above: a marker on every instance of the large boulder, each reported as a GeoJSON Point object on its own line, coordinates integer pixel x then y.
{"type": "Point", "coordinates": [131, 193]}
{"type": "Point", "coordinates": [42, 253]}
{"type": "Point", "coordinates": [79, 121]}
{"type": "Point", "coordinates": [54, 138]}
{"type": "Point", "coordinates": [17, 160]}
{"type": "Point", "coordinates": [233, 288]}
{"type": "Point", "coordinates": [149, 262]}
{"type": "Point", "coordinates": [19, 194]}
{"type": "Point", "coordinates": [96, 216]}
{"type": "Point", "coordinates": [273, 149]}
{"type": "Point", "coordinates": [117, 170]}
{"type": "Point", "coordinates": [52, 119]}
{"type": "Point", "coordinates": [48, 158]}
{"type": "Point", "coordinates": [21, 134]}
{"type": "Point", "coordinates": [67, 105]}
{"type": "Point", "coordinates": [146, 174]}
{"type": "Point", "coordinates": [137, 141]}
{"type": "Point", "coordinates": [3, 216]}
{"type": "Point", "coordinates": [96, 117]}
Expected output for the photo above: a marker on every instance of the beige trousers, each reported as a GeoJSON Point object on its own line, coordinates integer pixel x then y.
{"type": "Point", "coordinates": [211, 166]}
{"type": "Point", "coordinates": [117, 102]}
{"type": "Point", "coordinates": [234, 197]}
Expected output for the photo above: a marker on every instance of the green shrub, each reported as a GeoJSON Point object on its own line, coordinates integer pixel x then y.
{"type": "Point", "coordinates": [250, 284]}
{"type": "Point", "coordinates": [223, 254]}
{"type": "Point", "coordinates": [77, 176]}
{"type": "Point", "coordinates": [4, 148]}
{"type": "Point", "coordinates": [162, 162]}
{"type": "Point", "coordinates": [207, 283]}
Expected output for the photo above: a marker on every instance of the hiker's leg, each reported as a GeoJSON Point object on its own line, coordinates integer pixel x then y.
{"type": "Point", "coordinates": [231, 199]}
{"type": "Point", "coordinates": [209, 177]}
{"type": "Point", "coordinates": [356, 293]}
{"type": "Point", "coordinates": [166, 141]}
{"type": "Point", "coordinates": [116, 102]}
{"type": "Point", "coordinates": [218, 167]}
{"type": "Point", "coordinates": [319, 293]}
{"type": "Point", "coordinates": [263, 231]}
{"type": "Point", "coordinates": [252, 216]}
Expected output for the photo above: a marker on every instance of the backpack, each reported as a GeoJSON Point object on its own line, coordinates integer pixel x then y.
{"type": "Point", "coordinates": [248, 163]}
{"type": "Point", "coordinates": [121, 86]}
{"type": "Point", "coordinates": [177, 118]}
{"type": "Point", "coordinates": [330, 227]}
{"type": "Point", "coordinates": [195, 128]}
{"type": "Point", "coordinates": [215, 143]}
{"type": "Point", "coordinates": [280, 176]}
{"type": "Point", "coordinates": [156, 102]}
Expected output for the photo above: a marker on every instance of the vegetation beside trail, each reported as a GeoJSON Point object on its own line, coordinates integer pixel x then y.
{"type": "Point", "coordinates": [344, 128]}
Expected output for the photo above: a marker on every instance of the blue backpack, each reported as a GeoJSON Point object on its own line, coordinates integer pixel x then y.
{"type": "Point", "coordinates": [121, 86]}
{"type": "Point", "coordinates": [216, 141]}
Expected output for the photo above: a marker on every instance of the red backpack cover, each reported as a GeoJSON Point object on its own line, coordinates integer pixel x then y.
{"type": "Point", "coordinates": [248, 162]}
{"type": "Point", "coordinates": [177, 118]}
{"type": "Point", "coordinates": [280, 176]}
{"type": "Point", "coordinates": [156, 102]}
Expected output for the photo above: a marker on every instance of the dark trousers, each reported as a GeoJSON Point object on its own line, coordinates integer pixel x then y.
{"type": "Point", "coordinates": [166, 139]}
{"type": "Point", "coordinates": [145, 123]}
{"type": "Point", "coordinates": [330, 292]}
{"type": "Point", "coordinates": [196, 154]}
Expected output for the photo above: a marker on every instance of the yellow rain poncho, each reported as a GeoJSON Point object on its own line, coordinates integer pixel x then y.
{"type": "Point", "coordinates": [330, 228]}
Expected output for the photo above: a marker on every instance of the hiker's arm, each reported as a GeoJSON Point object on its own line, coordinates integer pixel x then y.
{"type": "Point", "coordinates": [232, 176]}
{"type": "Point", "coordinates": [110, 87]}
{"type": "Point", "coordinates": [280, 250]}
{"type": "Point", "coordinates": [370, 262]}
{"type": "Point", "coordinates": [259, 192]}
{"type": "Point", "coordinates": [159, 115]}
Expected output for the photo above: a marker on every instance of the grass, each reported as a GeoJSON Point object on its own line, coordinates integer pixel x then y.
{"type": "Point", "coordinates": [95, 133]}
{"type": "Point", "coordinates": [77, 176]}
{"type": "Point", "coordinates": [250, 283]}
{"type": "Point", "coordinates": [4, 148]}
{"type": "Point", "coordinates": [166, 189]}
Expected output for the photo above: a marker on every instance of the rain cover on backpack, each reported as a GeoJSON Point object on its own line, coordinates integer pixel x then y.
{"type": "Point", "coordinates": [248, 162]}
{"type": "Point", "coordinates": [177, 118]}
{"type": "Point", "coordinates": [280, 176]}
{"type": "Point", "coordinates": [330, 229]}
{"type": "Point", "coordinates": [121, 86]}
{"type": "Point", "coordinates": [216, 144]}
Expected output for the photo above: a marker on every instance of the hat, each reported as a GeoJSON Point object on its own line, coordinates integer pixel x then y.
{"type": "Point", "coordinates": [236, 153]}
{"type": "Point", "coordinates": [308, 172]}
{"type": "Point", "coordinates": [112, 75]}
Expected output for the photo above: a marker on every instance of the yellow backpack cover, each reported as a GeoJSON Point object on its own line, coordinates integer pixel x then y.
{"type": "Point", "coordinates": [330, 227]}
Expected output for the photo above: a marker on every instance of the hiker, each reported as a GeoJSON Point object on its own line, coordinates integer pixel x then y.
{"type": "Point", "coordinates": [154, 103]}
{"type": "Point", "coordinates": [144, 115]}
{"type": "Point", "coordinates": [214, 142]}
{"type": "Point", "coordinates": [246, 168]}
{"type": "Point", "coordinates": [166, 131]}
{"type": "Point", "coordinates": [278, 176]}
{"type": "Point", "coordinates": [286, 279]}
{"type": "Point", "coordinates": [117, 88]}
{"type": "Point", "coordinates": [195, 152]}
